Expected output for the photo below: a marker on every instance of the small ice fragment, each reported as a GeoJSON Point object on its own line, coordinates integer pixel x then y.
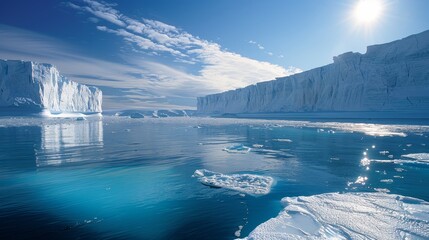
{"type": "Point", "coordinates": [245, 183]}
{"type": "Point", "coordinates": [361, 180]}
{"type": "Point", "coordinates": [382, 190]}
{"type": "Point", "coordinates": [364, 153]}
{"type": "Point", "coordinates": [409, 145]}
{"type": "Point", "coordinates": [373, 146]}
{"type": "Point", "coordinates": [384, 152]}
{"type": "Point", "coordinates": [335, 158]}
{"type": "Point", "coordinates": [386, 180]}
{"type": "Point", "coordinates": [239, 148]}
{"type": "Point", "coordinates": [390, 156]}
{"type": "Point", "coordinates": [282, 140]}
{"type": "Point", "coordinates": [238, 232]}
{"type": "Point", "coordinates": [257, 145]}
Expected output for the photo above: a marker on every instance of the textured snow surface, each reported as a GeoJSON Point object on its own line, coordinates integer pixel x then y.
{"type": "Point", "coordinates": [389, 77]}
{"type": "Point", "coordinates": [41, 87]}
{"type": "Point", "coordinates": [246, 183]}
{"type": "Point", "coordinates": [348, 216]}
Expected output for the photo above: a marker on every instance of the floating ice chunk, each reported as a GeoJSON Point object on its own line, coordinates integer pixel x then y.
{"type": "Point", "coordinates": [238, 148]}
{"type": "Point", "coordinates": [257, 145]}
{"type": "Point", "coordinates": [384, 152]}
{"type": "Point", "coordinates": [386, 180]}
{"type": "Point", "coordinates": [418, 156]}
{"type": "Point", "coordinates": [238, 232]}
{"type": "Point", "coordinates": [282, 140]}
{"type": "Point", "coordinates": [245, 183]}
{"type": "Point", "coordinates": [348, 216]}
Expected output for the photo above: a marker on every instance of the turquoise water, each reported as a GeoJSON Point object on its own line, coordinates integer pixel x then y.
{"type": "Point", "coordinates": [120, 178]}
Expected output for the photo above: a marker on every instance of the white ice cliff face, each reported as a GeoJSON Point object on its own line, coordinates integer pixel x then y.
{"type": "Point", "coordinates": [41, 87]}
{"type": "Point", "coordinates": [388, 77]}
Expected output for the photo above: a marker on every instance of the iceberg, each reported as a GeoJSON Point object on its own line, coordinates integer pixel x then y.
{"type": "Point", "coordinates": [40, 87]}
{"type": "Point", "coordinates": [391, 77]}
{"type": "Point", "coordinates": [251, 184]}
{"type": "Point", "coordinates": [348, 216]}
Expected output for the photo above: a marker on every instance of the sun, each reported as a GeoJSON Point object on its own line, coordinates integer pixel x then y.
{"type": "Point", "coordinates": [367, 12]}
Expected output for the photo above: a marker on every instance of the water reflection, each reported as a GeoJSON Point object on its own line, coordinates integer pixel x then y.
{"type": "Point", "coordinates": [69, 142]}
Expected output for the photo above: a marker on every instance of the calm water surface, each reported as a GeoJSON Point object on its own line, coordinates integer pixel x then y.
{"type": "Point", "coordinates": [120, 178]}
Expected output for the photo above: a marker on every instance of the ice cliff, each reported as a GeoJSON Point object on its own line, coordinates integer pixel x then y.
{"type": "Point", "coordinates": [36, 86]}
{"type": "Point", "coordinates": [388, 77]}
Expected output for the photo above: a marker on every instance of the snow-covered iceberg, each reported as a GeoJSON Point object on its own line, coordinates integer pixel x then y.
{"type": "Point", "coordinates": [388, 77]}
{"type": "Point", "coordinates": [40, 87]}
{"type": "Point", "coordinates": [348, 216]}
{"type": "Point", "coordinates": [246, 183]}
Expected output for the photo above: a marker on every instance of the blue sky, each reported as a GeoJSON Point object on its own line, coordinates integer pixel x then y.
{"type": "Point", "coordinates": [163, 54]}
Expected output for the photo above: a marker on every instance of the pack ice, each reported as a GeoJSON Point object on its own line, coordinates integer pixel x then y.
{"type": "Point", "coordinates": [39, 86]}
{"type": "Point", "coordinates": [348, 216]}
{"type": "Point", "coordinates": [388, 77]}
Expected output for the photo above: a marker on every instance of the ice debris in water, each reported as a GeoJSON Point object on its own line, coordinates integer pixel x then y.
{"type": "Point", "coordinates": [246, 183]}
{"type": "Point", "coordinates": [238, 148]}
{"type": "Point", "coordinates": [282, 140]}
{"type": "Point", "coordinates": [424, 157]}
{"type": "Point", "coordinates": [348, 216]}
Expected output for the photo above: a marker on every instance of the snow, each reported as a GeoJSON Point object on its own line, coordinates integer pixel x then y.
{"type": "Point", "coordinates": [389, 77]}
{"type": "Point", "coordinates": [40, 87]}
{"type": "Point", "coordinates": [245, 183]}
{"type": "Point", "coordinates": [348, 216]}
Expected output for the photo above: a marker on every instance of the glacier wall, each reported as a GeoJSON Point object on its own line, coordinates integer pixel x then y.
{"type": "Point", "coordinates": [388, 77]}
{"type": "Point", "coordinates": [37, 86]}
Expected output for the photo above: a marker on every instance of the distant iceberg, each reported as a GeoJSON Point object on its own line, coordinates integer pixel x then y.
{"type": "Point", "coordinates": [40, 87]}
{"type": "Point", "coordinates": [246, 183]}
{"type": "Point", "coordinates": [348, 216]}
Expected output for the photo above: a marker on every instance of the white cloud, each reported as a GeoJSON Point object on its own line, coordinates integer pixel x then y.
{"type": "Point", "coordinates": [134, 81]}
{"type": "Point", "coordinates": [221, 69]}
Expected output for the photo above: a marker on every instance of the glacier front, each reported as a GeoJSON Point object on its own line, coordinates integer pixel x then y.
{"type": "Point", "coordinates": [40, 87]}
{"type": "Point", "coordinates": [391, 77]}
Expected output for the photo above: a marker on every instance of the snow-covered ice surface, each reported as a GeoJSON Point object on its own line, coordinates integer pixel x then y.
{"type": "Point", "coordinates": [246, 183]}
{"type": "Point", "coordinates": [348, 216]}
{"type": "Point", "coordinates": [39, 86]}
{"type": "Point", "coordinates": [388, 77]}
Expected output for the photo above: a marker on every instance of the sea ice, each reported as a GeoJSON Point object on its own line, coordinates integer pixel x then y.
{"type": "Point", "coordinates": [238, 148]}
{"type": "Point", "coordinates": [246, 183]}
{"type": "Point", "coordinates": [348, 216]}
{"type": "Point", "coordinates": [424, 157]}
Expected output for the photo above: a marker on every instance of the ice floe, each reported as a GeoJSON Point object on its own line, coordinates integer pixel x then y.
{"type": "Point", "coordinates": [246, 183]}
{"type": "Point", "coordinates": [237, 148]}
{"type": "Point", "coordinates": [348, 216]}
{"type": "Point", "coordinates": [424, 157]}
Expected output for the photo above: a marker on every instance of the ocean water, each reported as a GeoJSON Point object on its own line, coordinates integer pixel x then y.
{"type": "Point", "coordinates": [122, 178]}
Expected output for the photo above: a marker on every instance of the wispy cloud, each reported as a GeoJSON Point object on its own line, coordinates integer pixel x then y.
{"type": "Point", "coordinates": [222, 68]}
{"type": "Point", "coordinates": [137, 81]}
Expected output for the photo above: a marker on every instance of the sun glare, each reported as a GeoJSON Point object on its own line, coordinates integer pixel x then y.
{"type": "Point", "coordinates": [367, 12]}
